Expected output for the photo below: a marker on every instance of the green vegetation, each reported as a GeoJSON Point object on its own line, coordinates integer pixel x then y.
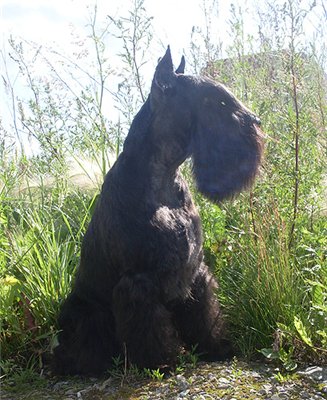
{"type": "Point", "coordinates": [267, 247]}
{"type": "Point", "coordinates": [272, 254]}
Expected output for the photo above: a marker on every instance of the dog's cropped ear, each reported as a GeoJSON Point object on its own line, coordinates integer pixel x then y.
{"type": "Point", "coordinates": [181, 67]}
{"type": "Point", "coordinates": [164, 77]}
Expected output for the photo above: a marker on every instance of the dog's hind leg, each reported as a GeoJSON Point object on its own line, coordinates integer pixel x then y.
{"type": "Point", "coordinates": [87, 340]}
{"type": "Point", "coordinates": [143, 324]}
{"type": "Point", "coordinates": [200, 321]}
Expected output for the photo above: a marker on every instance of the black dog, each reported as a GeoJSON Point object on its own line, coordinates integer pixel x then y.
{"type": "Point", "coordinates": [142, 289]}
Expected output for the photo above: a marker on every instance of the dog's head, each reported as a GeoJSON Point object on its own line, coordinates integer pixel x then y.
{"type": "Point", "coordinates": [200, 118]}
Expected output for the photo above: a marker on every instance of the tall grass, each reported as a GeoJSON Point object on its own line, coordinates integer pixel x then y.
{"type": "Point", "coordinates": [274, 297]}
{"type": "Point", "coordinates": [41, 232]}
{"type": "Point", "coordinates": [263, 286]}
{"type": "Point", "coordinates": [272, 263]}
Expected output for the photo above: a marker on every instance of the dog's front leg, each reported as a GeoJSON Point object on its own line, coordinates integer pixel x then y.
{"type": "Point", "coordinates": [200, 320]}
{"type": "Point", "coordinates": [143, 324]}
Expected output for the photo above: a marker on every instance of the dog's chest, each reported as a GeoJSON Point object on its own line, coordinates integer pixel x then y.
{"type": "Point", "coordinates": [175, 249]}
{"type": "Point", "coordinates": [178, 232]}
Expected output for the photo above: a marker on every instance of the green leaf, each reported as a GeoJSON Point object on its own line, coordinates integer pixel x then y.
{"type": "Point", "coordinates": [290, 365]}
{"type": "Point", "coordinates": [299, 326]}
{"type": "Point", "coordinates": [317, 295]}
{"type": "Point", "coordinates": [270, 354]}
{"type": "Point", "coordinates": [9, 280]}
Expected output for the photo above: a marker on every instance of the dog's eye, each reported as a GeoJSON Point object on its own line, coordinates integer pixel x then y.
{"type": "Point", "coordinates": [207, 102]}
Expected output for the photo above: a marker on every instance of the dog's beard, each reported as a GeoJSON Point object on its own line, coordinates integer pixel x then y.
{"type": "Point", "coordinates": [225, 162]}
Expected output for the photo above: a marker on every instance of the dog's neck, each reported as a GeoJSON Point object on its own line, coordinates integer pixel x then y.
{"type": "Point", "coordinates": [154, 147]}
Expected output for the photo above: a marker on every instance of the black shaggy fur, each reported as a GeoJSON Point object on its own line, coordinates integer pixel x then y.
{"type": "Point", "coordinates": [142, 289]}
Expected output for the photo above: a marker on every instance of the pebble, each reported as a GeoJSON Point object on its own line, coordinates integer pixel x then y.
{"type": "Point", "coordinates": [70, 392]}
{"type": "Point", "coordinates": [59, 385]}
{"type": "Point", "coordinates": [318, 374]}
{"type": "Point", "coordinates": [212, 377]}
{"type": "Point", "coordinates": [265, 390]}
{"type": "Point", "coordinates": [181, 382]}
{"type": "Point", "coordinates": [256, 375]}
{"type": "Point", "coordinates": [262, 392]}
{"type": "Point", "coordinates": [275, 397]}
{"type": "Point", "coordinates": [223, 383]}
{"type": "Point", "coordinates": [103, 385]}
{"type": "Point", "coordinates": [183, 394]}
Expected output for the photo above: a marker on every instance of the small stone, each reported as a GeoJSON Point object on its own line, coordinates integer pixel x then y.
{"type": "Point", "coordinates": [162, 389]}
{"type": "Point", "coordinates": [212, 377]}
{"type": "Point", "coordinates": [181, 382]}
{"type": "Point", "coordinates": [59, 385]}
{"type": "Point", "coordinates": [262, 392]}
{"type": "Point", "coordinates": [184, 393]}
{"type": "Point", "coordinates": [103, 385]}
{"type": "Point", "coordinates": [274, 380]}
{"type": "Point", "coordinates": [275, 397]}
{"type": "Point", "coordinates": [315, 373]}
{"type": "Point", "coordinates": [265, 390]}
{"type": "Point", "coordinates": [70, 392]}
{"type": "Point", "coordinates": [223, 383]}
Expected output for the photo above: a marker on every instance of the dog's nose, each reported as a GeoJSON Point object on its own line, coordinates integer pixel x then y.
{"type": "Point", "coordinates": [252, 119]}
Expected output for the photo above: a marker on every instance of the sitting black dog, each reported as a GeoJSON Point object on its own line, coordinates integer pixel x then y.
{"type": "Point", "coordinates": [142, 290]}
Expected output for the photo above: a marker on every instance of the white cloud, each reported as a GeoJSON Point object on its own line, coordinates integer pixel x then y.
{"type": "Point", "coordinates": [40, 21]}
{"type": "Point", "coordinates": [48, 20]}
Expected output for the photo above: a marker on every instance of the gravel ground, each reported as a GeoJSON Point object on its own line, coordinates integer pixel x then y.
{"type": "Point", "coordinates": [236, 380]}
